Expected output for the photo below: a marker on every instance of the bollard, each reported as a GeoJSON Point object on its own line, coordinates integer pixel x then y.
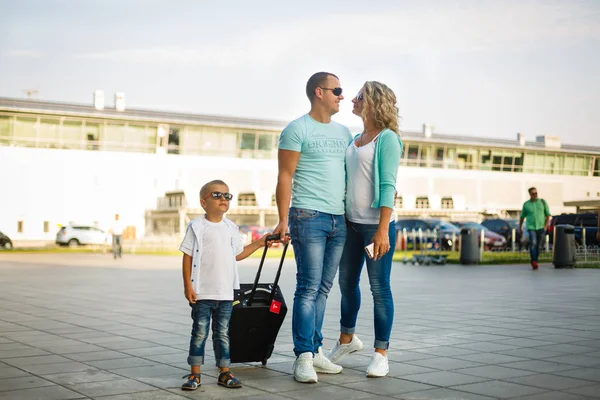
{"type": "Point", "coordinates": [563, 250]}
{"type": "Point", "coordinates": [469, 251]}
{"type": "Point", "coordinates": [584, 243]}
{"type": "Point", "coordinates": [405, 239]}
{"type": "Point", "coordinates": [453, 248]}
{"type": "Point", "coordinates": [513, 240]}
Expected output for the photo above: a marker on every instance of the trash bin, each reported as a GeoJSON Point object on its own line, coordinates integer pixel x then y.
{"type": "Point", "coordinates": [563, 250]}
{"type": "Point", "coordinates": [469, 246]}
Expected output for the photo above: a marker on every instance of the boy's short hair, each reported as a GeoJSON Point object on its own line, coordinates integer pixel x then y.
{"type": "Point", "coordinates": [206, 188]}
{"type": "Point", "coordinates": [317, 80]}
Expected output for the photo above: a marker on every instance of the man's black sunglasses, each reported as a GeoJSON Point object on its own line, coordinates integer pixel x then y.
{"type": "Point", "coordinates": [336, 91]}
{"type": "Point", "coordinates": [218, 195]}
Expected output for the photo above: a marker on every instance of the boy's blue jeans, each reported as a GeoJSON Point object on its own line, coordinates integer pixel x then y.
{"type": "Point", "coordinates": [353, 258]}
{"type": "Point", "coordinates": [202, 311]}
{"type": "Point", "coordinates": [318, 239]}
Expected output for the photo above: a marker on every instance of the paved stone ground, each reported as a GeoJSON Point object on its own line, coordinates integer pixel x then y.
{"type": "Point", "coordinates": [84, 326]}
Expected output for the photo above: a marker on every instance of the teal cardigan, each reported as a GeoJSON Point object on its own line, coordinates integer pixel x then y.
{"type": "Point", "coordinates": [388, 150]}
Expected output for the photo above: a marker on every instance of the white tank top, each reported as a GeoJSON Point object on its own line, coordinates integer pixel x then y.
{"type": "Point", "coordinates": [360, 186]}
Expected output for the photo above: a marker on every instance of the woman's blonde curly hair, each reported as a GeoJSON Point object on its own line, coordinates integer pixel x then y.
{"type": "Point", "coordinates": [380, 101]}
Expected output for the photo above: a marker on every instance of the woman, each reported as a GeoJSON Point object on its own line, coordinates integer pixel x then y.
{"type": "Point", "coordinates": [372, 161]}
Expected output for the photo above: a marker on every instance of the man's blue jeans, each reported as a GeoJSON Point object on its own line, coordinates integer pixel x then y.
{"type": "Point", "coordinates": [202, 311]}
{"type": "Point", "coordinates": [318, 239]}
{"type": "Point", "coordinates": [536, 240]}
{"type": "Point", "coordinates": [353, 258]}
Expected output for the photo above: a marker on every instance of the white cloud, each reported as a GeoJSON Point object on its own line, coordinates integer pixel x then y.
{"type": "Point", "coordinates": [24, 53]}
{"type": "Point", "coordinates": [485, 26]}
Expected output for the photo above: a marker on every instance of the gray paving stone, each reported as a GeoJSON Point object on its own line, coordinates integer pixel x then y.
{"type": "Point", "coordinates": [576, 359]}
{"type": "Point", "coordinates": [97, 356]}
{"type": "Point", "coordinates": [553, 396]}
{"type": "Point", "coordinates": [23, 382]}
{"type": "Point", "coordinates": [490, 358]}
{"type": "Point", "coordinates": [11, 372]}
{"type": "Point", "coordinates": [550, 382]}
{"type": "Point", "coordinates": [37, 360]}
{"type": "Point", "coordinates": [90, 375]}
{"type": "Point", "coordinates": [539, 366]}
{"type": "Point", "coordinates": [445, 363]}
{"type": "Point", "coordinates": [499, 389]}
{"type": "Point", "coordinates": [41, 393]}
{"type": "Point", "coordinates": [591, 374]}
{"type": "Point", "coordinates": [386, 386]}
{"type": "Point", "coordinates": [121, 363]}
{"type": "Point", "coordinates": [120, 386]}
{"type": "Point", "coordinates": [151, 395]}
{"type": "Point", "coordinates": [494, 372]}
{"type": "Point", "coordinates": [590, 391]}
{"type": "Point", "coordinates": [442, 394]}
{"type": "Point", "coordinates": [444, 378]}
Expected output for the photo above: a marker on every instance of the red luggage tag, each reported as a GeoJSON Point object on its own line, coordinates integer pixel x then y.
{"type": "Point", "coordinates": [275, 307]}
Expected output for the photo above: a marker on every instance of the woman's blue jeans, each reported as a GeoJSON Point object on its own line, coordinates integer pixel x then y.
{"type": "Point", "coordinates": [318, 239]}
{"type": "Point", "coordinates": [353, 259]}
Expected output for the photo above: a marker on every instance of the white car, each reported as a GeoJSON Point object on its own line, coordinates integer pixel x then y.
{"type": "Point", "coordinates": [75, 235]}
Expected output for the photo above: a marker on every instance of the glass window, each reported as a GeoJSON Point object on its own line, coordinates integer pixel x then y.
{"type": "Point", "coordinates": [71, 133]}
{"type": "Point", "coordinates": [247, 199]}
{"type": "Point", "coordinates": [49, 132]}
{"type": "Point", "coordinates": [138, 138]}
{"type": "Point", "coordinates": [549, 164]}
{"type": "Point", "coordinates": [191, 140]}
{"type": "Point", "coordinates": [173, 143]}
{"type": "Point", "coordinates": [450, 160]}
{"type": "Point", "coordinates": [438, 157]}
{"type": "Point", "coordinates": [597, 167]}
{"type": "Point", "coordinates": [413, 154]}
{"type": "Point", "coordinates": [26, 131]}
{"type": "Point", "coordinates": [398, 202]}
{"type": "Point", "coordinates": [425, 156]}
{"type": "Point", "coordinates": [485, 160]}
{"type": "Point", "coordinates": [529, 163]}
{"type": "Point", "coordinates": [265, 142]}
{"type": "Point", "coordinates": [465, 157]}
{"type": "Point", "coordinates": [5, 126]}
{"type": "Point", "coordinates": [114, 136]}
{"type": "Point", "coordinates": [580, 168]}
{"type": "Point", "coordinates": [447, 203]}
{"type": "Point", "coordinates": [569, 165]}
{"type": "Point", "coordinates": [19, 226]}
{"type": "Point", "coordinates": [46, 226]}
{"type": "Point", "coordinates": [422, 202]}
{"type": "Point", "coordinates": [518, 162]}
{"type": "Point", "coordinates": [92, 134]}
{"type": "Point", "coordinates": [248, 141]}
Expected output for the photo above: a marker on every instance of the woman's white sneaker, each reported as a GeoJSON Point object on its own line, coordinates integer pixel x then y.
{"type": "Point", "coordinates": [303, 369]}
{"type": "Point", "coordinates": [340, 350]}
{"type": "Point", "coordinates": [323, 365]}
{"type": "Point", "coordinates": [379, 366]}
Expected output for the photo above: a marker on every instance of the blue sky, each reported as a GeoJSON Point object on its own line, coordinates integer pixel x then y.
{"type": "Point", "coordinates": [480, 68]}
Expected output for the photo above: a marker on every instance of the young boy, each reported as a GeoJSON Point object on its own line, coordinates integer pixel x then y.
{"type": "Point", "coordinates": [211, 247]}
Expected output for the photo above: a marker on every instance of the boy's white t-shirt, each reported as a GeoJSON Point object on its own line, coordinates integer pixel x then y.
{"type": "Point", "coordinates": [214, 271]}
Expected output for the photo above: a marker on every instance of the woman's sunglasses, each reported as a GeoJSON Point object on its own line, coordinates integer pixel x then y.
{"type": "Point", "coordinates": [336, 91]}
{"type": "Point", "coordinates": [218, 195]}
{"type": "Point", "coordinates": [359, 96]}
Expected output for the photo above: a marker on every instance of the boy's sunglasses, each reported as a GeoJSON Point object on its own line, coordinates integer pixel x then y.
{"type": "Point", "coordinates": [336, 91]}
{"type": "Point", "coordinates": [218, 195]}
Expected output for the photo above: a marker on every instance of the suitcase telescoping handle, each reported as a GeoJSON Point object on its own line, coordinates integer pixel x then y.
{"type": "Point", "coordinates": [262, 261]}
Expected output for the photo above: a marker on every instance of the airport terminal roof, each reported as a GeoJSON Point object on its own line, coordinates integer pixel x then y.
{"type": "Point", "coordinates": [88, 110]}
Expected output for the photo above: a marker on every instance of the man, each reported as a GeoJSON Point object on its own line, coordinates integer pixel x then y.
{"type": "Point", "coordinates": [116, 229]}
{"type": "Point", "coordinates": [537, 215]}
{"type": "Point", "coordinates": [312, 174]}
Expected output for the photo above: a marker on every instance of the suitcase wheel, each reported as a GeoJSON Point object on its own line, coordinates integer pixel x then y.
{"type": "Point", "coordinates": [264, 362]}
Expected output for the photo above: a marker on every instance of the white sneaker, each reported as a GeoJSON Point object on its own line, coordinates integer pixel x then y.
{"type": "Point", "coordinates": [340, 350]}
{"type": "Point", "coordinates": [379, 366]}
{"type": "Point", "coordinates": [322, 364]}
{"type": "Point", "coordinates": [303, 369]}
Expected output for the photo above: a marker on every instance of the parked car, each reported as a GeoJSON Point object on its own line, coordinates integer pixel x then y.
{"type": "Point", "coordinates": [250, 233]}
{"type": "Point", "coordinates": [444, 232]}
{"type": "Point", "coordinates": [75, 235]}
{"type": "Point", "coordinates": [580, 221]}
{"type": "Point", "coordinates": [504, 228]}
{"type": "Point", "coordinates": [5, 242]}
{"type": "Point", "coordinates": [491, 240]}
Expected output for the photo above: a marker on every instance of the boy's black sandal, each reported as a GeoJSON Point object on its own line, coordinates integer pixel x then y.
{"type": "Point", "coordinates": [192, 383]}
{"type": "Point", "coordinates": [229, 381]}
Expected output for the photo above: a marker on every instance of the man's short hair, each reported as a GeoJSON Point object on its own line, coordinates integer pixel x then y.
{"type": "Point", "coordinates": [317, 80]}
{"type": "Point", "coordinates": [206, 188]}
{"type": "Point", "coordinates": [530, 189]}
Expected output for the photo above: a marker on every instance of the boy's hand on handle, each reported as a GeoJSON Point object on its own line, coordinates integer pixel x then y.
{"type": "Point", "coordinates": [190, 294]}
{"type": "Point", "coordinates": [266, 240]}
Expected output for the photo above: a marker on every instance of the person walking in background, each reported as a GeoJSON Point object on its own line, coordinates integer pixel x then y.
{"type": "Point", "coordinates": [116, 230]}
{"type": "Point", "coordinates": [312, 156]}
{"type": "Point", "coordinates": [536, 214]}
{"type": "Point", "coordinates": [372, 162]}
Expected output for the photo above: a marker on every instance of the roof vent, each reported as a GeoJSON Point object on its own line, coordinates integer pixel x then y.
{"type": "Point", "coordinates": [120, 101]}
{"type": "Point", "coordinates": [549, 141]}
{"type": "Point", "coordinates": [99, 99]}
{"type": "Point", "coordinates": [427, 130]}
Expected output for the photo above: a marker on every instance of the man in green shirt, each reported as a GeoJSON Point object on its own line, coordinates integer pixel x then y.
{"type": "Point", "coordinates": [537, 215]}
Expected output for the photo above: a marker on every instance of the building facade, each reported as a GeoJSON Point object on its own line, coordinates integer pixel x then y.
{"type": "Point", "coordinates": [69, 163]}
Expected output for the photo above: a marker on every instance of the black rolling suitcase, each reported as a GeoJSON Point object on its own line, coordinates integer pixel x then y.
{"type": "Point", "coordinates": [257, 314]}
